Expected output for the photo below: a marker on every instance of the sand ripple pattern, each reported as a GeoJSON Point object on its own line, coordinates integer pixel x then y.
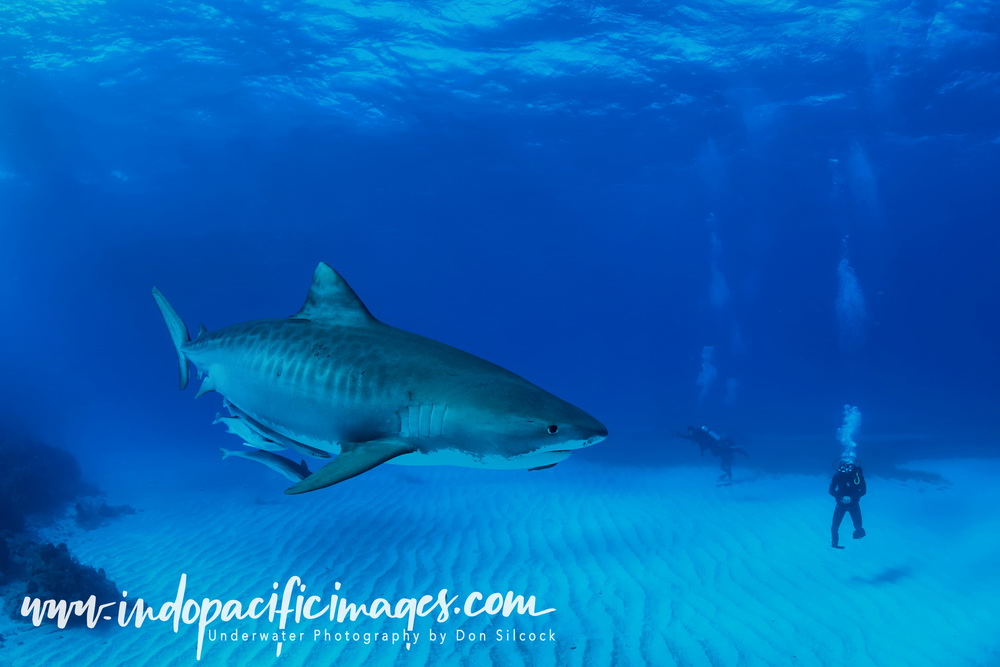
{"type": "Point", "coordinates": [645, 567]}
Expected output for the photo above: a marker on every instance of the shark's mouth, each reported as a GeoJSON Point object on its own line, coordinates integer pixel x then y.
{"type": "Point", "coordinates": [542, 457]}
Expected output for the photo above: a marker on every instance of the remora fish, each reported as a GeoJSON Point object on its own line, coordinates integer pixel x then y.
{"type": "Point", "coordinates": [276, 462]}
{"type": "Point", "coordinates": [250, 437]}
{"type": "Point", "coordinates": [333, 378]}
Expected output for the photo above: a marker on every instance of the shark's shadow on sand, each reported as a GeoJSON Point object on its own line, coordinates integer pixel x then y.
{"type": "Point", "coordinates": [889, 575]}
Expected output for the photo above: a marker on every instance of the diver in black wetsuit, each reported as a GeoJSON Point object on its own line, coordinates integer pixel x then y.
{"type": "Point", "coordinates": [724, 448]}
{"type": "Point", "coordinates": [847, 487]}
{"type": "Point", "coordinates": [704, 438]}
{"type": "Point", "coordinates": [725, 453]}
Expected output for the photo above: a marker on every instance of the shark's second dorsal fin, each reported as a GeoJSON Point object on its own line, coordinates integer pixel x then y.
{"type": "Point", "coordinates": [331, 299]}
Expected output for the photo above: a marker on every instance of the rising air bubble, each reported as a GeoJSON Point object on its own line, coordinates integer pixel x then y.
{"type": "Point", "coordinates": [732, 388]}
{"type": "Point", "coordinates": [708, 373]}
{"type": "Point", "coordinates": [864, 189]}
{"type": "Point", "coordinates": [846, 433]}
{"type": "Point", "coordinates": [718, 288]}
{"type": "Point", "coordinates": [850, 304]}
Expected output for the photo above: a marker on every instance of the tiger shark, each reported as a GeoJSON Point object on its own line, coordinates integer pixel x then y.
{"type": "Point", "coordinates": [333, 380]}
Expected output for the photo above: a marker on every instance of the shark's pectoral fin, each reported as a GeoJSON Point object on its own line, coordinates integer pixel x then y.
{"type": "Point", "coordinates": [551, 465]}
{"type": "Point", "coordinates": [354, 459]}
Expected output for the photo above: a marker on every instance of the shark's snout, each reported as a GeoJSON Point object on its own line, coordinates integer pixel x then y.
{"type": "Point", "coordinates": [594, 432]}
{"type": "Point", "coordinates": [596, 439]}
{"type": "Point", "coordinates": [598, 430]}
{"type": "Point", "coordinates": [584, 432]}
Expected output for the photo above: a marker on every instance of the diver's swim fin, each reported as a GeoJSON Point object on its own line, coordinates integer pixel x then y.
{"type": "Point", "coordinates": [859, 533]}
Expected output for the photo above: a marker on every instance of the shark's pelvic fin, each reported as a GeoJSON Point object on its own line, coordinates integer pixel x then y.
{"type": "Point", "coordinates": [354, 459]}
{"type": "Point", "coordinates": [331, 299]}
{"type": "Point", "coordinates": [207, 385]}
{"type": "Point", "coordinates": [178, 332]}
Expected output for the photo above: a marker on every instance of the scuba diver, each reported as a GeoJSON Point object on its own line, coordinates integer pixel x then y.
{"type": "Point", "coordinates": [847, 487]}
{"type": "Point", "coordinates": [722, 447]}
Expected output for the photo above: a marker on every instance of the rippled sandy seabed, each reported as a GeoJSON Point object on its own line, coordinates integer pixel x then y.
{"type": "Point", "coordinates": [643, 566]}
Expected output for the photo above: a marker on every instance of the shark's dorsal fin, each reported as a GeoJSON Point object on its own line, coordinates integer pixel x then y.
{"type": "Point", "coordinates": [331, 299]}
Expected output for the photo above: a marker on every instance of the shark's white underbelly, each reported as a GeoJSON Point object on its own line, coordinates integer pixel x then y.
{"type": "Point", "coordinates": [455, 457]}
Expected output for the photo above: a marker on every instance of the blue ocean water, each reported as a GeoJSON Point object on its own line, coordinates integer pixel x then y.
{"type": "Point", "coordinates": [745, 215]}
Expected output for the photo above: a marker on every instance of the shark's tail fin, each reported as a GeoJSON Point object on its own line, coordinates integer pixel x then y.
{"type": "Point", "coordinates": [178, 332]}
{"type": "Point", "coordinates": [226, 453]}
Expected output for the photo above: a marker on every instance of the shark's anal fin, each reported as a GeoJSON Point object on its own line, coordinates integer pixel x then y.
{"type": "Point", "coordinates": [354, 459]}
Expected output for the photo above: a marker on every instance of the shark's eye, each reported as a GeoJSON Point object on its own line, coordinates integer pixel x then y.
{"type": "Point", "coordinates": [553, 429]}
